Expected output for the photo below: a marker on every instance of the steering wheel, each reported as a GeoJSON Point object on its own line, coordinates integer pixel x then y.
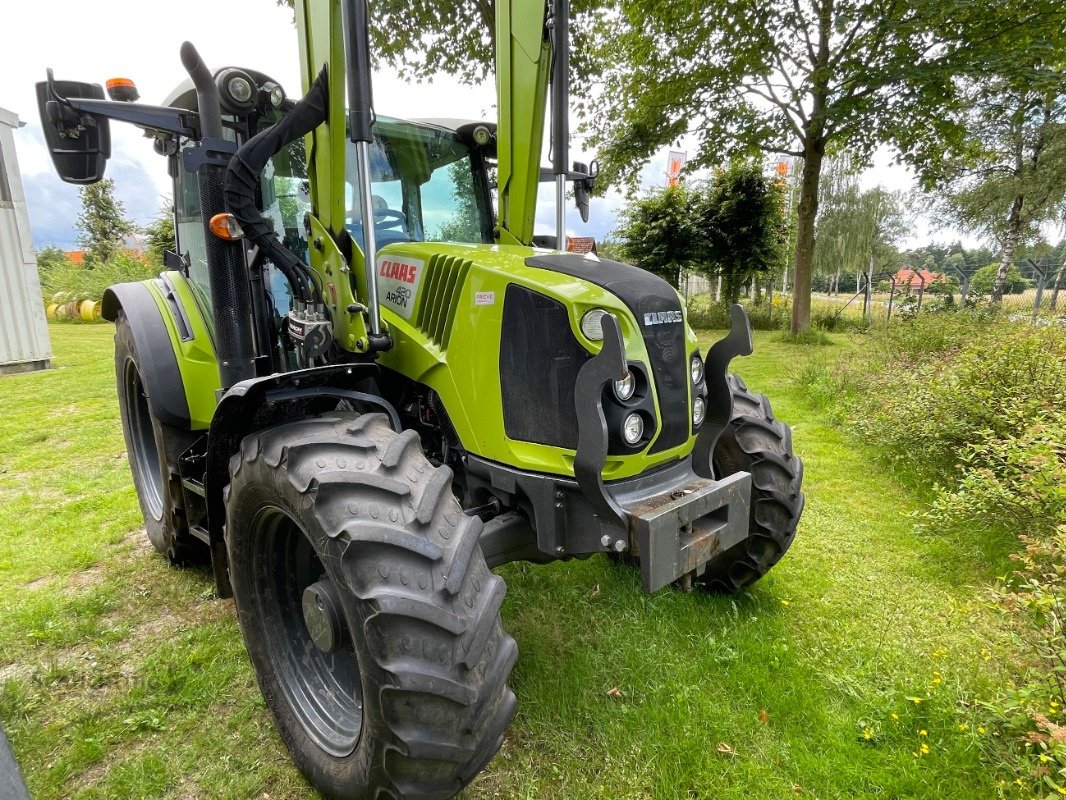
{"type": "Point", "coordinates": [389, 218]}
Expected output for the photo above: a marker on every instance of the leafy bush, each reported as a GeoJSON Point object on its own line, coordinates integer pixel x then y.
{"type": "Point", "coordinates": [60, 275]}
{"type": "Point", "coordinates": [974, 404]}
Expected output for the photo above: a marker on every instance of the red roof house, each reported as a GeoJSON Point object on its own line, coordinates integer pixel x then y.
{"type": "Point", "coordinates": [908, 277]}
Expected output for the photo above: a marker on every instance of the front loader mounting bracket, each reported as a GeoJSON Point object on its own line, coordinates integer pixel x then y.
{"type": "Point", "coordinates": [719, 397]}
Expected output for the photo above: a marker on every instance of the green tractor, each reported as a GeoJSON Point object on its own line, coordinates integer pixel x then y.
{"type": "Point", "coordinates": [355, 442]}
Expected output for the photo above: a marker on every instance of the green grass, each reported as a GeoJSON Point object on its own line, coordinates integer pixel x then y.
{"type": "Point", "coordinates": [120, 677]}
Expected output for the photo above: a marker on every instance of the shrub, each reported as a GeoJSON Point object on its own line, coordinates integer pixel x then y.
{"type": "Point", "coordinates": [974, 403]}
{"type": "Point", "coordinates": [704, 312]}
{"type": "Point", "coordinates": [60, 275]}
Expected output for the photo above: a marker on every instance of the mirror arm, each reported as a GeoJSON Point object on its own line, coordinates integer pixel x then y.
{"type": "Point", "coordinates": [179, 121]}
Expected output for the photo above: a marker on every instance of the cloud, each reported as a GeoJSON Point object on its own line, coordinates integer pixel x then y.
{"type": "Point", "coordinates": [54, 206]}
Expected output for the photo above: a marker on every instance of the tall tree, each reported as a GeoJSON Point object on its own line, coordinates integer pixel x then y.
{"type": "Point", "coordinates": [799, 77]}
{"type": "Point", "coordinates": [102, 225]}
{"type": "Point", "coordinates": [656, 232]}
{"type": "Point", "coordinates": [857, 231]}
{"type": "Point", "coordinates": [739, 226]}
{"type": "Point", "coordinates": [421, 40]}
{"type": "Point", "coordinates": [1006, 178]}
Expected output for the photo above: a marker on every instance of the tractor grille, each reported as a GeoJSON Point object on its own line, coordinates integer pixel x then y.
{"type": "Point", "coordinates": [539, 361]}
{"type": "Point", "coordinates": [444, 280]}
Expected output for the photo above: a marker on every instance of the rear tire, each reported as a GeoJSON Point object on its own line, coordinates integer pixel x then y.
{"type": "Point", "coordinates": [756, 442]}
{"type": "Point", "coordinates": [153, 449]}
{"type": "Point", "coordinates": [409, 698]}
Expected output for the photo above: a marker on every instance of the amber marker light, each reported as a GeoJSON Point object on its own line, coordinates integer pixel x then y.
{"type": "Point", "coordinates": [225, 226]}
{"type": "Point", "coordinates": [122, 89]}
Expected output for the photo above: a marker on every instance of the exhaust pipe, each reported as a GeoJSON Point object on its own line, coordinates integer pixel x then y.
{"type": "Point", "coordinates": [231, 306]}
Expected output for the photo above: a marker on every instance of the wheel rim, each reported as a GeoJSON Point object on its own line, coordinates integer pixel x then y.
{"type": "Point", "coordinates": [323, 690]}
{"type": "Point", "coordinates": [144, 458]}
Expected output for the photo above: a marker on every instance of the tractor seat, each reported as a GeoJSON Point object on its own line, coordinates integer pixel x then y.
{"type": "Point", "coordinates": [390, 229]}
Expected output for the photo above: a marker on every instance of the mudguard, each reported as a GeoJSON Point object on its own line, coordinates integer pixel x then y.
{"type": "Point", "coordinates": [159, 364]}
{"type": "Point", "coordinates": [174, 337]}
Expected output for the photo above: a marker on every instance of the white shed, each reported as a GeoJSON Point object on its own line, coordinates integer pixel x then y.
{"type": "Point", "coordinates": [24, 344]}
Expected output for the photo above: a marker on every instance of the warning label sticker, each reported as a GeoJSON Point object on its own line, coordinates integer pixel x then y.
{"type": "Point", "coordinates": [398, 279]}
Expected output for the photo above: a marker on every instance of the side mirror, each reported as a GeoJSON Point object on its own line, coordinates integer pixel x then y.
{"type": "Point", "coordinates": [584, 185]}
{"type": "Point", "coordinates": [79, 143]}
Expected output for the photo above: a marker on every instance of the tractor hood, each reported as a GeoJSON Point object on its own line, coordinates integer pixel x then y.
{"type": "Point", "coordinates": [496, 331]}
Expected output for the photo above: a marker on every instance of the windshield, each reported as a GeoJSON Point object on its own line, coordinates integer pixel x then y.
{"type": "Point", "coordinates": [425, 187]}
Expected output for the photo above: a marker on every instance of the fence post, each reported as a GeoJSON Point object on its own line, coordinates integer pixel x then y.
{"type": "Point", "coordinates": [1042, 273]}
{"type": "Point", "coordinates": [921, 291]}
{"type": "Point", "coordinates": [1058, 284]}
{"type": "Point", "coordinates": [891, 297]}
{"type": "Point", "coordinates": [868, 298]}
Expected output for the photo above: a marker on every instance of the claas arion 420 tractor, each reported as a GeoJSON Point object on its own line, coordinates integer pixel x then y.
{"type": "Point", "coordinates": [358, 386]}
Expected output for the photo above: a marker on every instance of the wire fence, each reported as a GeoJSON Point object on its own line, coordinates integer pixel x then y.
{"type": "Point", "coordinates": [1032, 290]}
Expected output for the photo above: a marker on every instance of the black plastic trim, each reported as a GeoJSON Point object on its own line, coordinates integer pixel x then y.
{"type": "Point", "coordinates": [259, 403]}
{"type": "Point", "coordinates": [158, 363]}
{"type": "Point", "coordinates": [646, 296]}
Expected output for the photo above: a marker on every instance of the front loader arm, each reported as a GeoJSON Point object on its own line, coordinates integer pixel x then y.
{"type": "Point", "coordinates": [523, 66]}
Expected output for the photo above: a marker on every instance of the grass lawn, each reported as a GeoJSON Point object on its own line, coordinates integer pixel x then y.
{"type": "Point", "coordinates": [852, 670]}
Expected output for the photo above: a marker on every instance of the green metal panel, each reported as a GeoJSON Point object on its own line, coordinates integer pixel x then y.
{"type": "Point", "coordinates": [523, 65]}
{"type": "Point", "coordinates": [196, 357]}
{"type": "Point", "coordinates": [464, 370]}
{"type": "Point", "coordinates": [321, 43]}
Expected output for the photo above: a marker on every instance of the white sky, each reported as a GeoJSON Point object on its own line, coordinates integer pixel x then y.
{"type": "Point", "coordinates": [92, 40]}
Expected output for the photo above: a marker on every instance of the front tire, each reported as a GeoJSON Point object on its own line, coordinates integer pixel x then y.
{"type": "Point", "coordinates": [756, 442]}
{"type": "Point", "coordinates": [401, 690]}
{"type": "Point", "coordinates": [153, 450]}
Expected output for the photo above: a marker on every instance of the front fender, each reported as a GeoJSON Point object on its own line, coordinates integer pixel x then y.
{"type": "Point", "coordinates": [160, 374]}
{"type": "Point", "coordinates": [174, 341]}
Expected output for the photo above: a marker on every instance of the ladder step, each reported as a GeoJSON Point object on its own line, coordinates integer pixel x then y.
{"type": "Point", "coordinates": [200, 533]}
{"type": "Point", "coordinates": [194, 486]}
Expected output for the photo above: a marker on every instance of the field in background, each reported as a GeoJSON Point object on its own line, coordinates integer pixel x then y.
{"type": "Point", "coordinates": [854, 670]}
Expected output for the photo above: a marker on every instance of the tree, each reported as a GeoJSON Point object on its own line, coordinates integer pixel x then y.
{"type": "Point", "coordinates": [102, 225]}
{"type": "Point", "coordinates": [656, 232]}
{"type": "Point", "coordinates": [159, 235]}
{"type": "Point", "coordinates": [464, 225]}
{"type": "Point", "coordinates": [799, 77]}
{"type": "Point", "coordinates": [739, 226]}
{"type": "Point", "coordinates": [986, 280]}
{"type": "Point", "coordinates": [1006, 177]}
{"type": "Point", "coordinates": [856, 231]}
{"type": "Point", "coordinates": [452, 37]}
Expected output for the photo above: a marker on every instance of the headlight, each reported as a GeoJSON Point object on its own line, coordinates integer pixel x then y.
{"type": "Point", "coordinates": [277, 96]}
{"type": "Point", "coordinates": [592, 324]}
{"type": "Point", "coordinates": [699, 410]}
{"type": "Point", "coordinates": [633, 429]}
{"type": "Point", "coordinates": [624, 388]}
{"type": "Point", "coordinates": [696, 368]}
{"type": "Point", "coordinates": [240, 89]}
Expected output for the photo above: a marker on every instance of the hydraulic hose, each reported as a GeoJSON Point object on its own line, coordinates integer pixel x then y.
{"type": "Point", "coordinates": [242, 177]}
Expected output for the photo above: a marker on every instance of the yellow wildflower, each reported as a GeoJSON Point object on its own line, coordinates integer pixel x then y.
{"type": "Point", "coordinates": [894, 715]}
{"type": "Point", "coordinates": [867, 734]}
{"type": "Point", "coordinates": [923, 732]}
{"type": "Point", "coordinates": [980, 729]}
{"type": "Point", "coordinates": [924, 748]}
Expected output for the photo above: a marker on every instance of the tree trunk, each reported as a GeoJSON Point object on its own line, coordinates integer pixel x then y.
{"type": "Point", "coordinates": [1010, 247]}
{"type": "Point", "coordinates": [757, 289]}
{"type": "Point", "coordinates": [1058, 284]}
{"type": "Point", "coordinates": [808, 210]}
